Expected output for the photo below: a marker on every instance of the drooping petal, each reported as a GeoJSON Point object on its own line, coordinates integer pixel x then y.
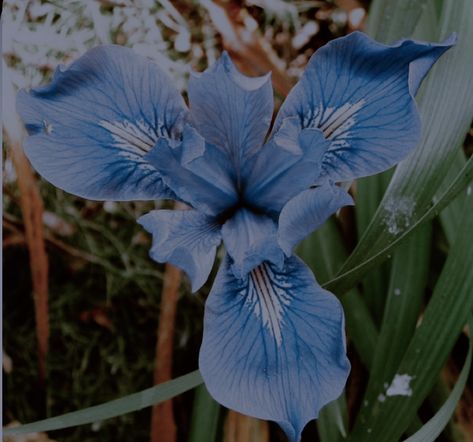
{"type": "Point", "coordinates": [359, 93]}
{"type": "Point", "coordinates": [288, 164]}
{"type": "Point", "coordinates": [307, 212]}
{"type": "Point", "coordinates": [230, 110]}
{"type": "Point", "coordinates": [187, 239]}
{"type": "Point", "coordinates": [274, 344]}
{"type": "Point", "coordinates": [196, 171]}
{"type": "Point", "coordinates": [250, 239]}
{"type": "Point", "coordinates": [90, 128]}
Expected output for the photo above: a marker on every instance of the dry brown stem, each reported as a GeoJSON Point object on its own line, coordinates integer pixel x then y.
{"type": "Point", "coordinates": [32, 210]}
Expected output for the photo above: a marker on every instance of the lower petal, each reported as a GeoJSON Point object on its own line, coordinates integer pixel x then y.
{"type": "Point", "coordinates": [274, 344]}
{"type": "Point", "coordinates": [186, 238]}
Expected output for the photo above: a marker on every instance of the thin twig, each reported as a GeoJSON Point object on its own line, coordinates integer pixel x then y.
{"type": "Point", "coordinates": [163, 426]}
{"type": "Point", "coordinates": [32, 210]}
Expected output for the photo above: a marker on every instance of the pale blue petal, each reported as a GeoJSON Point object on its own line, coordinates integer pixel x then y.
{"type": "Point", "coordinates": [288, 164]}
{"type": "Point", "coordinates": [307, 212]}
{"type": "Point", "coordinates": [186, 238]}
{"type": "Point", "coordinates": [250, 239]}
{"type": "Point", "coordinates": [359, 93]}
{"type": "Point", "coordinates": [231, 111]}
{"type": "Point", "coordinates": [197, 172]}
{"type": "Point", "coordinates": [90, 128]}
{"type": "Point", "coordinates": [274, 344]}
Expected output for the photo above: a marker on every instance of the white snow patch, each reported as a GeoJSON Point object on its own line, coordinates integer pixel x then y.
{"type": "Point", "coordinates": [398, 214]}
{"type": "Point", "coordinates": [400, 386]}
{"type": "Point", "coordinates": [381, 398]}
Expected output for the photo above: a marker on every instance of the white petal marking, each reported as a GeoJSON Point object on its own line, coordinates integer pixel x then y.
{"type": "Point", "coordinates": [342, 119]}
{"type": "Point", "coordinates": [137, 137]}
{"type": "Point", "coordinates": [267, 295]}
{"type": "Point", "coordinates": [334, 122]}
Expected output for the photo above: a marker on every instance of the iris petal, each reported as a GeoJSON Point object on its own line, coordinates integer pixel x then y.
{"type": "Point", "coordinates": [307, 212]}
{"type": "Point", "coordinates": [186, 238]}
{"type": "Point", "coordinates": [274, 344]}
{"type": "Point", "coordinates": [196, 171]}
{"type": "Point", "coordinates": [231, 111]}
{"type": "Point", "coordinates": [91, 127]}
{"type": "Point", "coordinates": [250, 239]}
{"type": "Point", "coordinates": [288, 164]}
{"type": "Point", "coordinates": [359, 93]}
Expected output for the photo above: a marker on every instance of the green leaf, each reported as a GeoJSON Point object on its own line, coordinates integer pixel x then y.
{"type": "Point", "coordinates": [370, 190]}
{"type": "Point", "coordinates": [205, 417]}
{"type": "Point", "coordinates": [332, 421]}
{"type": "Point", "coordinates": [447, 311]}
{"type": "Point", "coordinates": [390, 20]}
{"type": "Point", "coordinates": [448, 91]}
{"type": "Point", "coordinates": [451, 215]}
{"type": "Point", "coordinates": [349, 277]}
{"type": "Point", "coordinates": [369, 193]}
{"type": "Point", "coordinates": [432, 429]}
{"type": "Point", "coordinates": [406, 289]}
{"type": "Point", "coordinates": [133, 402]}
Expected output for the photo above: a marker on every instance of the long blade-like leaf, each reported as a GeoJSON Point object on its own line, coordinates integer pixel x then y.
{"type": "Point", "coordinates": [448, 91]}
{"type": "Point", "coordinates": [348, 278]}
{"type": "Point", "coordinates": [117, 407]}
{"type": "Point", "coordinates": [447, 311]}
{"type": "Point", "coordinates": [205, 417]}
{"type": "Point", "coordinates": [432, 429]}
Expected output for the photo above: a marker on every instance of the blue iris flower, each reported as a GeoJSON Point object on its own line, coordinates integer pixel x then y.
{"type": "Point", "coordinates": [113, 126]}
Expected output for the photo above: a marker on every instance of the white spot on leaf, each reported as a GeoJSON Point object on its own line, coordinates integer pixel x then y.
{"type": "Point", "coordinates": [398, 214]}
{"type": "Point", "coordinates": [397, 292]}
{"type": "Point", "coordinates": [400, 386]}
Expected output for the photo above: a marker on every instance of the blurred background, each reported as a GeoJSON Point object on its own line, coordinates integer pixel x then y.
{"type": "Point", "coordinates": [88, 317]}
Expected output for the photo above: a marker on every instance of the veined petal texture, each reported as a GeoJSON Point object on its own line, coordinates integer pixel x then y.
{"type": "Point", "coordinates": [307, 211]}
{"type": "Point", "coordinates": [90, 128]}
{"type": "Point", "coordinates": [274, 344]}
{"type": "Point", "coordinates": [187, 239]}
{"type": "Point", "coordinates": [250, 239]}
{"type": "Point", "coordinates": [231, 111]}
{"type": "Point", "coordinates": [360, 94]}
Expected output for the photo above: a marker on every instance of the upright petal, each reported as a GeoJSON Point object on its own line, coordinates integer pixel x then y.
{"type": "Point", "coordinates": [196, 171]}
{"type": "Point", "coordinates": [288, 164]}
{"type": "Point", "coordinates": [187, 238]}
{"type": "Point", "coordinates": [359, 93]}
{"type": "Point", "coordinates": [91, 127]}
{"type": "Point", "coordinates": [230, 110]}
{"type": "Point", "coordinates": [274, 344]}
{"type": "Point", "coordinates": [250, 239]}
{"type": "Point", "coordinates": [307, 212]}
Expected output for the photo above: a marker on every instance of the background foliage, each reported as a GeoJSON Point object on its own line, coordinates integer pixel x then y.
{"type": "Point", "coordinates": [400, 260]}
